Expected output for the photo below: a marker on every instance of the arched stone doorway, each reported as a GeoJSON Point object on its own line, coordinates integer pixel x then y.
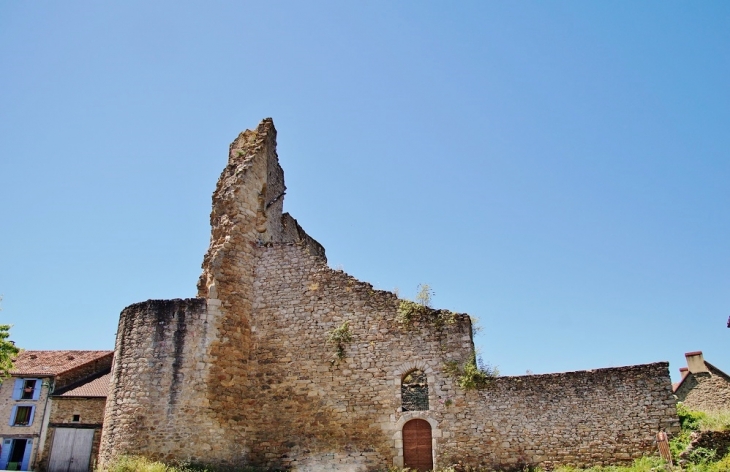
{"type": "Point", "coordinates": [417, 445]}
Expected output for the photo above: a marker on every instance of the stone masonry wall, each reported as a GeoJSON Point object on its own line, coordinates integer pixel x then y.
{"type": "Point", "coordinates": [313, 410]}
{"type": "Point", "coordinates": [91, 415]}
{"type": "Point", "coordinates": [83, 371]}
{"type": "Point", "coordinates": [718, 441]}
{"type": "Point", "coordinates": [247, 214]}
{"type": "Point", "coordinates": [90, 410]}
{"type": "Point", "coordinates": [592, 417]}
{"type": "Point", "coordinates": [705, 391]}
{"type": "Point", "coordinates": [157, 404]}
{"type": "Point", "coordinates": [596, 417]}
{"type": "Point", "coordinates": [245, 375]}
{"type": "Point", "coordinates": [7, 403]}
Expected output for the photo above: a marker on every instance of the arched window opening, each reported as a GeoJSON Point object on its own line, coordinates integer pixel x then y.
{"type": "Point", "coordinates": [414, 391]}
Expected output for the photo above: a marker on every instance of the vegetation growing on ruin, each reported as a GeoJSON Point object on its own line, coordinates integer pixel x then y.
{"type": "Point", "coordinates": [420, 310]}
{"type": "Point", "coordinates": [142, 464]}
{"type": "Point", "coordinates": [472, 376]}
{"type": "Point", "coordinates": [703, 460]}
{"type": "Point", "coordinates": [645, 464]}
{"type": "Point", "coordinates": [691, 421]}
{"type": "Point", "coordinates": [340, 337]}
{"type": "Point", "coordinates": [409, 311]}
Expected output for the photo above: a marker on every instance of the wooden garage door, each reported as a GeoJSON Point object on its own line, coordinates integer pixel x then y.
{"type": "Point", "coordinates": [71, 450]}
{"type": "Point", "coordinates": [417, 453]}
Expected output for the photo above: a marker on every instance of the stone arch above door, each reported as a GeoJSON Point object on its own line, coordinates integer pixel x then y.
{"type": "Point", "coordinates": [418, 445]}
{"type": "Point", "coordinates": [436, 433]}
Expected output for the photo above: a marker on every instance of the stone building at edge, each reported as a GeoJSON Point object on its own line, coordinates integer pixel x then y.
{"type": "Point", "coordinates": [282, 362]}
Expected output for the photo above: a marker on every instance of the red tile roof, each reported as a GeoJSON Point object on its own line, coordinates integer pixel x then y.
{"type": "Point", "coordinates": [49, 363]}
{"type": "Point", "coordinates": [93, 388]}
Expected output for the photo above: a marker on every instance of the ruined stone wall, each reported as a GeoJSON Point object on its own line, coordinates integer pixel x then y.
{"type": "Point", "coordinates": [718, 441]}
{"type": "Point", "coordinates": [245, 375]}
{"type": "Point", "coordinates": [335, 408]}
{"type": "Point", "coordinates": [705, 391]}
{"type": "Point", "coordinates": [313, 410]}
{"type": "Point", "coordinates": [157, 404]}
{"type": "Point", "coordinates": [601, 416]}
{"type": "Point", "coordinates": [192, 372]}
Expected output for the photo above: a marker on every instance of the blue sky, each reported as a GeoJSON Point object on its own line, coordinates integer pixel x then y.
{"type": "Point", "coordinates": [558, 169]}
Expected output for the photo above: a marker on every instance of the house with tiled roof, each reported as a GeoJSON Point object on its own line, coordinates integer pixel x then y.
{"type": "Point", "coordinates": [26, 398]}
{"type": "Point", "coordinates": [703, 386]}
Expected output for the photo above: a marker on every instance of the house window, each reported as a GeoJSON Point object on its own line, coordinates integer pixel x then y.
{"type": "Point", "coordinates": [23, 416]}
{"type": "Point", "coordinates": [29, 387]}
{"type": "Point", "coordinates": [414, 391]}
{"type": "Point", "coordinates": [76, 418]}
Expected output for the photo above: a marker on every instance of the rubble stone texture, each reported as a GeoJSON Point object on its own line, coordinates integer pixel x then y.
{"type": "Point", "coordinates": [63, 409]}
{"type": "Point", "coordinates": [245, 375]}
{"type": "Point", "coordinates": [718, 441]}
{"type": "Point", "coordinates": [705, 391]}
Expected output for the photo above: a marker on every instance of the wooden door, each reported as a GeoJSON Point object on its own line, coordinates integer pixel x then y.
{"type": "Point", "coordinates": [417, 452]}
{"type": "Point", "coordinates": [71, 450]}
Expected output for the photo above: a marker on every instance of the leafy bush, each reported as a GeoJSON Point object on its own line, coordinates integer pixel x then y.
{"type": "Point", "coordinates": [689, 420]}
{"type": "Point", "coordinates": [700, 459]}
{"type": "Point", "coordinates": [702, 455]}
{"type": "Point", "coordinates": [339, 337]}
{"type": "Point", "coordinates": [472, 376]}
{"type": "Point", "coordinates": [425, 294]}
{"type": "Point", "coordinates": [409, 311]}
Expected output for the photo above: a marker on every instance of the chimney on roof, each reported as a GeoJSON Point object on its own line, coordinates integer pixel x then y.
{"type": "Point", "coordinates": [696, 362]}
{"type": "Point", "coordinates": [684, 371]}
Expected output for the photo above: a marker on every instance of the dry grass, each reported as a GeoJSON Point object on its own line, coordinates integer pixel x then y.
{"type": "Point", "coordinates": [715, 421]}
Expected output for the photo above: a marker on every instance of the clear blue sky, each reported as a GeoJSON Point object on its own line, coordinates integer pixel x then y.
{"type": "Point", "coordinates": [559, 169]}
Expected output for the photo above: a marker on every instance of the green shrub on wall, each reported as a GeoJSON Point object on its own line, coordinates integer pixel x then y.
{"type": "Point", "coordinates": [340, 336]}
{"type": "Point", "coordinates": [471, 376]}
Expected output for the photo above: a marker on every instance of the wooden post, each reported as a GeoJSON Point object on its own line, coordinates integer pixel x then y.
{"type": "Point", "coordinates": [663, 443]}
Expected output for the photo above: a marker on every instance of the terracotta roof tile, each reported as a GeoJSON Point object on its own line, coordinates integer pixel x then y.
{"type": "Point", "coordinates": [93, 388]}
{"type": "Point", "coordinates": [48, 363]}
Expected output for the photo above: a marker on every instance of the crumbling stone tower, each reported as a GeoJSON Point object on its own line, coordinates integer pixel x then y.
{"type": "Point", "coordinates": [282, 362]}
{"type": "Point", "coordinates": [244, 374]}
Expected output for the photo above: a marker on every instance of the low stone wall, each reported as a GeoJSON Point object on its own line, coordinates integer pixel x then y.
{"type": "Point", "coordinates": [594, 417]}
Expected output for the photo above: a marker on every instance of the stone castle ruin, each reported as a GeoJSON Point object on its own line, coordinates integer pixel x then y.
{"type": "Point", "coordinates": [282, 362]}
